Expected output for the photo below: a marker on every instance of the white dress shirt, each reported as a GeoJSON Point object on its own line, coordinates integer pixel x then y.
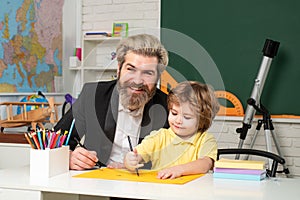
{"type": "Point", "coordinates": [128, 124]}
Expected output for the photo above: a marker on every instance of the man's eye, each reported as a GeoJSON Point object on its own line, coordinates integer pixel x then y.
{"type": "Point", "coordinates": [150, 73]}
{"type": "Point", "coordinates": [130, 69]}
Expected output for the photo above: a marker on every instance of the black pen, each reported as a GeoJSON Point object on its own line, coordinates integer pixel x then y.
{"type": "Point", "coordinates": [98, 163]}
{"type": "Point", "coordinates": [131, 149]}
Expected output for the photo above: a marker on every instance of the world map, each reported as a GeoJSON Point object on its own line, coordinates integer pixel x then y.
{"type": "Point", "coordinates": [30, 45]}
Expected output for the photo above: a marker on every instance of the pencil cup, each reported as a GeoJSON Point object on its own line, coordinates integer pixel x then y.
{"type": "Point", "coordinates": [49, 162]}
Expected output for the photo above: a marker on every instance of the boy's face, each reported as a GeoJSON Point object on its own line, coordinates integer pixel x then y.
{"type": "Point", "coordinates": [137, 80]}
{"type": "Point", "coordinates": [182, 120]}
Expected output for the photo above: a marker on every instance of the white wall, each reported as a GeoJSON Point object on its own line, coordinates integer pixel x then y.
{"type": "Point", "coordinates": [141, 15]}
{"type": "Point", "coordinates": [100, 15]}
{"type": "Point", "coordinates": [70, 34]}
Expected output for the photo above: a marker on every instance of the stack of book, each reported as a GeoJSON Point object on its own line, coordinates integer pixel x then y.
{"type": "Point", "coordinates": [240, 169]}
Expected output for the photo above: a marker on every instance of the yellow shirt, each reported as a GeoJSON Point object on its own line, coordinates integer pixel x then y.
{"type": "Point", "coordinates": [165, 149]}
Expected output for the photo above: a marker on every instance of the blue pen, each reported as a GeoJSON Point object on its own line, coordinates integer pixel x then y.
{"type": "Point", "coordinates": [40, 139]}
{"type": "Point", "coordinates": [58, 141]}
{"type": "Point", "coordinates": [70, 131]}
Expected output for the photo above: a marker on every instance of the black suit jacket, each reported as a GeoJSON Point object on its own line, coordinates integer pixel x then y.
{"type": "Point", "coordinates": [96, 111]}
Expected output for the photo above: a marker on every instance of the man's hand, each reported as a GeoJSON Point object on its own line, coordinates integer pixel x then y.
{"type": "Point", "coordinates": [131, 160]}
{"type": "Point", "coordinates": [81, 159]}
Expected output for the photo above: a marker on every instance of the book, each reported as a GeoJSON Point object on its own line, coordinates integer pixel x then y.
{"type": "Point", "coordinates": [239, 171]}
{"type": "Point", "coordinates": [239, 164]}
{"type": "Point", "coordinates": [96, 34]}
{"type": "Point", "coordinates": [120, 29]}
{"type": "Point", "coordinates": [253, 177]}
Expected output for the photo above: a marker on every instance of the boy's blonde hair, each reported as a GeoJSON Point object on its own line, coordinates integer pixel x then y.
{"type": "Point", "coordinates": [201, 98]}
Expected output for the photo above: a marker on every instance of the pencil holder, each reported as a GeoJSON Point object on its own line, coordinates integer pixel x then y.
{"type": "Point", "coordinates": [49, 162]}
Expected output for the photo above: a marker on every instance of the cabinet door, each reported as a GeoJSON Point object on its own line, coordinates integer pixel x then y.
{"type": "Point", "coordinates": [20, 153]}
{"type": "Point", "coordinates": [10, 194]}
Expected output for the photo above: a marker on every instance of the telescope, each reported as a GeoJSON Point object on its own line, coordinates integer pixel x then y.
{"type": "Point", "coordinates": [253, 103]}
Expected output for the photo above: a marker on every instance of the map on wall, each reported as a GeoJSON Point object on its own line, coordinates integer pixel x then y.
{"type": "Point", "coordinates": [30, 45]}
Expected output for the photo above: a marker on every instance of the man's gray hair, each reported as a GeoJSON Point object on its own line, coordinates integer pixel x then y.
{"type": "Point", "coordinates": [145, 45]}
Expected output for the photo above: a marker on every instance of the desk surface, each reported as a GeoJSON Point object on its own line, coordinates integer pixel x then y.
{"type": "Point", "coordinates": [203, 188]}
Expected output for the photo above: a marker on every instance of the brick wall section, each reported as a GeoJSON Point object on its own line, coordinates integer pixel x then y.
{"type": "Point", "coordinates": [287, 135]}
{"type": "Point", "coordinates": [100, 15]}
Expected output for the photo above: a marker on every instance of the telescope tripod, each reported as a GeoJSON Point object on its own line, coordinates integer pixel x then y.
{"type": "Point", "coordinates": [269, 52]}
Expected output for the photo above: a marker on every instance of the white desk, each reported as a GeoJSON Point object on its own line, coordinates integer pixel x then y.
{"type": "Point", "coordinates": [18, 180]}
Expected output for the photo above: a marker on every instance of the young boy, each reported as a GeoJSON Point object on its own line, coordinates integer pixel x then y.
{"type": "Point", "coordinates": [185, 148]}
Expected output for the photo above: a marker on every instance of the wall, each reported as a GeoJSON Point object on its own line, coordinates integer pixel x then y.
{"type": "Point", "coordinates": [99, 15]}
{"type": "Point", "coordinates": [143, 16]}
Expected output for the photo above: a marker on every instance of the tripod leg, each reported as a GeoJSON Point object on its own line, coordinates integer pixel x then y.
{"type": "Point", "coordinates": [259, 123]}
{"type": "Point", "coordinates": [237, 156]}
{"type": "Point", "coordinates": [285, 169]}
{"type": "Point", "coordinates": [254, 139]}
{"type": "Point", "coordinates": [276, 143]}
{"type": "Point", "coordinates": [269, 143]}
{"type": "Point", "coordinates": [252, 142]}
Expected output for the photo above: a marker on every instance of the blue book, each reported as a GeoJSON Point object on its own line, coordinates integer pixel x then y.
{"type": "Point", "coordinates": [252, 177]}
{"type": "Point", "coordinates": [96, 33]}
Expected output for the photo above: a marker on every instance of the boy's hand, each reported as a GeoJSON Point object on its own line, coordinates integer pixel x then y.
{"type": "Point", "coordinates": [116, 165]}
{"type": "Point", "coordinates": [131, 160]}
{"type": "Point", "coordinates": [171, 173]}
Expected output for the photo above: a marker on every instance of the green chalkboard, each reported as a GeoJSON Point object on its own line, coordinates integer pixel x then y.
{"type": "Point", "coordinates": [233, 33]}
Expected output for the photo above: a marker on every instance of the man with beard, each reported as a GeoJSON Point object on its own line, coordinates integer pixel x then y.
{"type": "Point", "coordinates": [105, 113]}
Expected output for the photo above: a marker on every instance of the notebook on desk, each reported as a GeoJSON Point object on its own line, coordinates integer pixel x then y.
{"type": "Point", "coordinates": [125, 175]}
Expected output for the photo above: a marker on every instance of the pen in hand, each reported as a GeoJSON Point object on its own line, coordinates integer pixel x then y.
{"type": "Point", "coordinates": [131, 149]}
{"type": "Point", "coordinates": [98, 163]}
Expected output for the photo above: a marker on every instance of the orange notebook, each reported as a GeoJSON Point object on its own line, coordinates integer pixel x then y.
{"type": "Point", "coordinates": [125, 175]}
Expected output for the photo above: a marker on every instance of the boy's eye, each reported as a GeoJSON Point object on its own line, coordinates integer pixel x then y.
{"type": "Point", "coordinates": [174, 113]}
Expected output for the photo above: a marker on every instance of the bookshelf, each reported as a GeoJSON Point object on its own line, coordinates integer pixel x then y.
{"type": "Point", "coordinates": [97, 59]}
